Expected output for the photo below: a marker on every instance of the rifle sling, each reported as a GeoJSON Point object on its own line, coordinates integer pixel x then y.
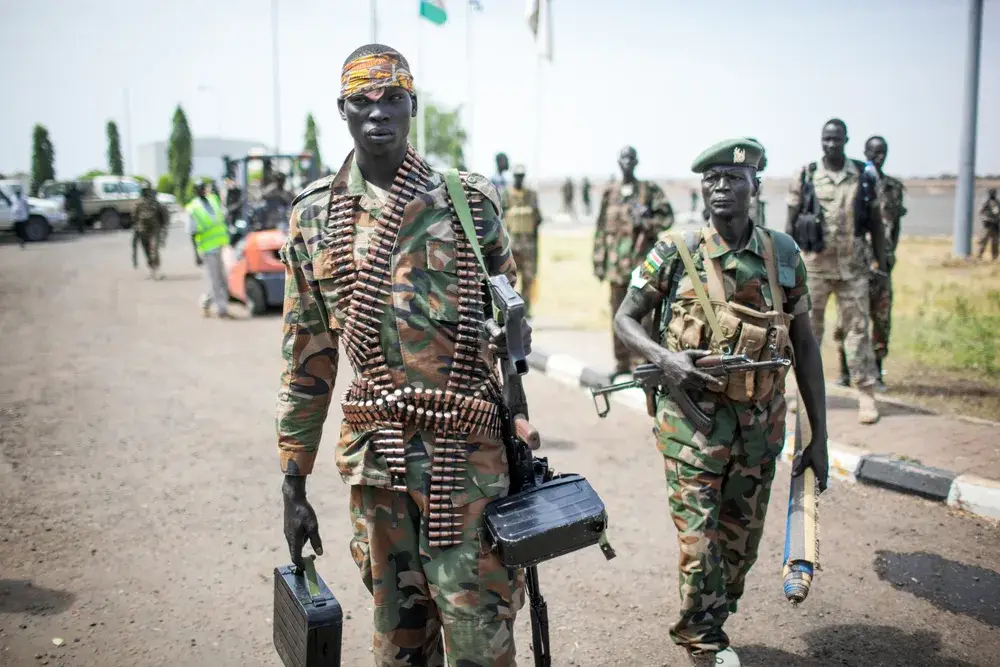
{"type": "Point", "coordinates": [699, 289]}
{"type": "Point", "coordinates": [461, 205]}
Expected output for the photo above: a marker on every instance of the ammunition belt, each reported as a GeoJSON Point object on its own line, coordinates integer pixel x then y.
{"type": "Point", "coordinates": [438, 411]}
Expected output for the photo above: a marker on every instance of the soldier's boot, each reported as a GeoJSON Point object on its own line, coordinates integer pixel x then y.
{"type": "Point", "coordinates": [724, 658]}
{"type": "Point", "coordinates": [867, 410]}
{"type": "Point", "coordinates": [206, 310]}
{"type": "Point", "coordinates": [845, 374]}
{"type": "Point", "coordinates": [879, 384]}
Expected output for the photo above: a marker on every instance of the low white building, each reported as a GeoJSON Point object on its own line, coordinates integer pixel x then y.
{"type": "Point", "coordinates": [206, 158]}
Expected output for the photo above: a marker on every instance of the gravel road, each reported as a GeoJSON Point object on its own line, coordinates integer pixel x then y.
{"type": "Point", "coordinates": [140, 504]}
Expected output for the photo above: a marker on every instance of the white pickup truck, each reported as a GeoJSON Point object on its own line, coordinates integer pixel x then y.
{"type": "Point", "coordinates": [44, 216]}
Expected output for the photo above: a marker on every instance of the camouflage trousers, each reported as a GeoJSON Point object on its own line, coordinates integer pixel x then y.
{"type": "Point", "coordinates": [880, 311]}
{"type": "Point", "coordinates": [421, 592]}
{"type": "Point", "coordinates": [625, 361]}
{"type": "Point", "coordinates": [853, 309]}
{"type": "Point", "coordinates": [720, 521]}
{"type": "Point", "coordinates": [525, 254]}
{"type": "Point", "coordinates": [990, 236]}
{"type": "Point", "coordinates": [150, 242]}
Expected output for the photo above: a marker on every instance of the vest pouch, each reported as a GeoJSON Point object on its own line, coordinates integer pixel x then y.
{"type": "Point", "coordinates": [686, 330]}
{"type": "Point", "coordinates": [768, 381]}
{"type": "Point", "coordinates": [750, 342]}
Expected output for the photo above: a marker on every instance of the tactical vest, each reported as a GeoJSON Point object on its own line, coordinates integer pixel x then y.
{"type": "Point", "coordinates": [620, 215]}
{"type": "Point", "coordinates": [374, 402]}
{"type": "Point", "coordinates": [520, 212]}
{"type": "Point", "coordinates": [724, 327]}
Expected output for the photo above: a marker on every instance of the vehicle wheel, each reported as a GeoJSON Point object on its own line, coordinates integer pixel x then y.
{"type": "Point", "coordinates": [37, 229]}
{"type": "Point", "coordinates": [110, 219]}
{"type": "Point", "coordinates": [256, 300]}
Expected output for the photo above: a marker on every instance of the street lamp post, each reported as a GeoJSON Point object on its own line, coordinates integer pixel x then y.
{"type": "Point", "coordinates": [965, 189]}
{"type": "Point", "coordinates": [277, 91]}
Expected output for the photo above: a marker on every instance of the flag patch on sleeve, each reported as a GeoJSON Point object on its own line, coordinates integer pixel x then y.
{"type": "Point", "coordinates": [653, 262]}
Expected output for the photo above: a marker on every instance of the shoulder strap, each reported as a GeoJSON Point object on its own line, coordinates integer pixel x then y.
{"type": "Point", "coordinates": [461, 205]}
{"type": "Point", "coordinates": [699, 289]}
{"type": "Point", "coordinates": [770, 263]}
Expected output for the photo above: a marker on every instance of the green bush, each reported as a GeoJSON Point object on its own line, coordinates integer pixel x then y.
{"type": "Point", "coordinates": [959, 334]}
{"type": "Point", "coordinates": [165, 184]}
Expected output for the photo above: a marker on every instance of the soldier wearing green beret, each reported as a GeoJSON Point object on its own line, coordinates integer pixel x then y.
{"type": "Point", "coordinates": [757, 303]}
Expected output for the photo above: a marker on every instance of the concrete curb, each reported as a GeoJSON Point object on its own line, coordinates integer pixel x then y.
{"type": "Point", "coordinates": [970, 493]}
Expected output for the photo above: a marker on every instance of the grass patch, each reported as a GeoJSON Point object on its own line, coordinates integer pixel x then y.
{"type": "Point", "coordinates": [944, 352]}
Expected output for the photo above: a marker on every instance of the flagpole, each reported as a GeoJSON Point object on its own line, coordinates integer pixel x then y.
{"type": "Point", "coordinates": [421, 103]}
{"type": "Point", "coordinates": [374, 6]}
{"type": "Point", "coordinates": [470, 94]}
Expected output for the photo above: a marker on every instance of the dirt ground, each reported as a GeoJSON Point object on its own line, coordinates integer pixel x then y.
{"type": "Point", "coordinates": [140, 505]}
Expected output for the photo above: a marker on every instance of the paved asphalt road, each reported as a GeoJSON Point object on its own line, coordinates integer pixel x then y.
{"type": "Point", "coordinates": [140, 518]}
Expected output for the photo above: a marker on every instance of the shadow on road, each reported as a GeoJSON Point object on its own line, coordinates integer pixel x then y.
{"type": "Point", "coordinates": [858, 646]}
{"type": "Point", "coordinates": [835, 402]}
{"type": "Point", "coordinates": [946, 584]}
{"type": "Point", "coordinates": [18, 596]}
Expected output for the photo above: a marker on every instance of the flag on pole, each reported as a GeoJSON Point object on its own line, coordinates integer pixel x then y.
{"type": "Point", "coordinates": [540, 22]}
{"type": "Point", "coordinates": [433, 11]}
{"type": "Point", "coordinates": [476, 4]}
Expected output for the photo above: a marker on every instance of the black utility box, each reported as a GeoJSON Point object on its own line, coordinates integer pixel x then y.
{"type": "Point", "coordinates": [307, 627]}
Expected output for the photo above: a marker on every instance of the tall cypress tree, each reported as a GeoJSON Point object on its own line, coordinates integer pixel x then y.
{"type": "Point", "coordinates": [312, 142]}
{"type": "Point", "coordinates": [115, 164]}
{"type": "Point", "coordinates": [43, 158]}
{"type": "Point", "coordinates": [179, 151]}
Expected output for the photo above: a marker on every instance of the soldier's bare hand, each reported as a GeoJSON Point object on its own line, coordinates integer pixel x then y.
{"type": "Point", "coordinates": [498, 337]}
{"type": "Point", "coordinates": [814, 456]}
{"type": "Point", "coordinates": [300, 521]}
{"type": "Point", "coordinates": [680, 369]}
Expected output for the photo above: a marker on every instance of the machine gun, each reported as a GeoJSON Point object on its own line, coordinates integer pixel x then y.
{"type": "Point", "coordinates": [807, 229]}
{"type": "Point", "coordinates": [649, 377]}
{"type": "Point", "coordinates": [545, 515]}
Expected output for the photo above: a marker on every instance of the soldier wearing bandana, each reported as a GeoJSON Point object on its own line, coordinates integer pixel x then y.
{"type": "Point", "coordinates": [632, 216]}
{"type": "Point", "coordinates": [378, 262]}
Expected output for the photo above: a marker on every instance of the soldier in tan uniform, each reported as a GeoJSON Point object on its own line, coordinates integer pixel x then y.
{"type": "Point", "coordinates": [632, 217]}
{"type": "Point", "coordinates": [844, 265]}
{"type": "Point", "coordinates": [990, 215]}
{"type": "Point", "coordinates": [523, 217]}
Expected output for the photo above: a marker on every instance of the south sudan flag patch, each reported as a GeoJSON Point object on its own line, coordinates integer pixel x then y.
{"type": "Point", "coordinates": [653, 263]}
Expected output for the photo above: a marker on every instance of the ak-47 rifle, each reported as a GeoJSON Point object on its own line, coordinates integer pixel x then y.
{"type": "Point", "coordinates": [649, 377]}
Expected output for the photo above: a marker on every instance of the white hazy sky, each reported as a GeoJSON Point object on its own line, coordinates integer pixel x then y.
{"type": "Point", "coordinates": [668, 76]}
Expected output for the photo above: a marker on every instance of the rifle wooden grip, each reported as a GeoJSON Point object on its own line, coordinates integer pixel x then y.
{"type": "Point", "coordinates": [527, 433]}
{"type": "Point", "coordinates": [708, 361]}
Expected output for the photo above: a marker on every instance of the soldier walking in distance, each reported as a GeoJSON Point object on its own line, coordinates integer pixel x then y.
{"type": "Point", "coordinates": [522, 218]}
{"type": "Point", "coordinates": [567, 196]}
{"type": "Point", "coordinates": [377, 259]}
{"type": "Point", "coordinates": [757, 211]}
{"type": "Point", "coordinates": [757, 303]}
{"type": "Point", "coordinates": [209, 235]}
{"type": "Point", "coordinates": [844, 265]}
{"type": "Point", "coordinates": [990, 215]}
{"type": "Point", "coordinates": [150, 217]}
{"type": "Point", "coordinates": [585, 194]}
{"type": "Point", "coordinates": [890, 202]}
{"type": "Point", "coordinates": [633, 214]}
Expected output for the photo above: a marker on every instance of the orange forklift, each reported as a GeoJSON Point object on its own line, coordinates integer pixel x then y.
{"type": "Point", "coordinates": [258, 224]}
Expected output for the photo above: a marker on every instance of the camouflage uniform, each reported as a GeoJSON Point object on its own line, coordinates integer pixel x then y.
{"type": "Point", "coordinates": [990, 216]}
{"type": "Point", "coordinates": [392, 277]}
{"type": "Point", "coordinates": [890, 199]}
{"type": "Point", "coordinates": [619, 245]}
{"type": "Point", "coordinates": [720, 484]}
{"type": "Point", "coordinates": [151, 219]}
{"type": "Point", "coordinates": [522, 218]}
{"type": "Point", "coordinates": [843, 268]}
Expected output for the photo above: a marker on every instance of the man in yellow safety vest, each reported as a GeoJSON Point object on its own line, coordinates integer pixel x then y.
{"type": "Point", "coordinates": [209, 235]}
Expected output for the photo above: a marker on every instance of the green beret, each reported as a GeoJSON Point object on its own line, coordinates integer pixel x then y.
{"type": "Point", "coordinates": [729, 153]}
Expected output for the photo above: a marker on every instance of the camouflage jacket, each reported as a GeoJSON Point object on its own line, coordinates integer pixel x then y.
{"type": "Point", "coordinates": [761, 428]}
{"type": "Point", "coordinates": [418, 321]}
{"type": "Point", "coordinates": [890, 199]}
{"type": "Point", "coordinates": [989, 214]}
{"type": "Point", "coordinates": [150, 216]}
{"type": "Point", "coordinates": [619, 244]}
{"type": "Point", "coordinates": [836, 191]}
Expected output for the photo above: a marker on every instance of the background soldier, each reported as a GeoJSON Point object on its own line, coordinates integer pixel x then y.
{"type": "Point", "coordinates": [632, 216]}
{"type": "Point", "coordinates": [757, 211]}
{"type": "Point", "coordinates": [720, 482]}
{"type": "Point", "coordinates": [499, 180]}
{"type": "Point", "coordinates": [890, 201]}
{"type": "Point", "coordinates": [844, 266]}
{"type": "Point", "coordinates": [73, 203]}
{"type": "Point", "coordinates": [522, 218]}
{"type": "Point", "coordinates": [990, 215]}
{"type": "Point", "coordinates": [585, 194]}
{"type": "Point", "coordinates": [567, 196]}
{"type": "Point", "coordinates": [410, 322]}
{"type": "Point", "coordinates": [151, 218]}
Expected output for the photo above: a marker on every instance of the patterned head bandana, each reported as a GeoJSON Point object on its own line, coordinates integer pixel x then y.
{"type": "Point", "coordinates": [374, 73]}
